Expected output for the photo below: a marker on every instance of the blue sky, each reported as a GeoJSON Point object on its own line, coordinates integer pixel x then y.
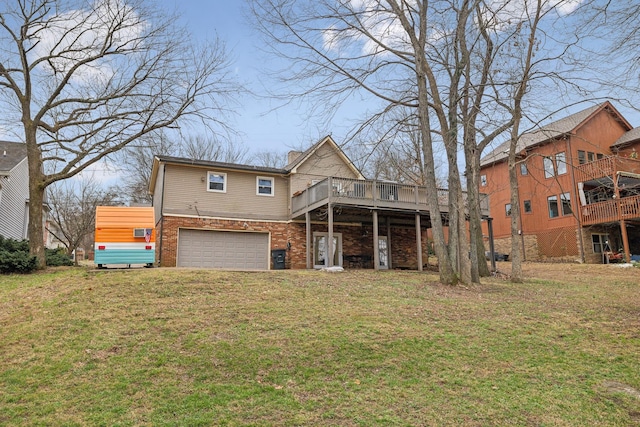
{"type": "Point", "coordinates": [261, 128]}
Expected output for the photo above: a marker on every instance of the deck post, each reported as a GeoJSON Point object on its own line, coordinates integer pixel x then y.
{"type": "Point", "coordinates": [376, 247]}
{"type": "Point", "coordinates": [307, 217]}
{"type": "Point", "coordinates": [330, 235]}
{"type": "Point", "coordinates": [389, 265]}
{"type": "Point", "coordinates": [625, 239]}
{"type": "Point", "coordinates": [418, 241]}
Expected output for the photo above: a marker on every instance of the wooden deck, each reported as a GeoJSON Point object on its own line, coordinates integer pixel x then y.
{"type": "Point", "coordinates": [371, 194]}
{"type": "Point", "coordinates": [611, 211]}
{"type": "Point", "coordinates": [604, 167]}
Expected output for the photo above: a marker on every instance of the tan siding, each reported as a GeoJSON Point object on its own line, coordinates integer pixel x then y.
{"type": "Point", "coordinates": [322, 163]}
{"type": "Point", "coordinates": [186, 194]}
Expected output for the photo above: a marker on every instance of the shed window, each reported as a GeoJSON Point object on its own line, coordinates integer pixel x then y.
{"type": "Point", "coordinates": [217, 182]}
{"type": "Point", "coordinates": [265, 186]}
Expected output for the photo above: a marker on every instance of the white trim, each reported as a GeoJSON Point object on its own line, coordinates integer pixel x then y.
{"type": "Point", "coordinates": [124, 246]}
{"type": "Point", "coordinates": [224, 181]}
{"type": "Point", "coordinates": [266, 178]}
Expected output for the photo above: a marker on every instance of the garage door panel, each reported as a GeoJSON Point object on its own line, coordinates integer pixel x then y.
{"type": "Point", "coordinates": [223, 249]}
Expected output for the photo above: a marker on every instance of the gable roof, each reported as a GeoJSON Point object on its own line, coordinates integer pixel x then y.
{"type": "Point", "coordinates": [11, 153]}
{"type": "Point", "coordinates": [564, 126]}
{"type": "Point", "coordinates": [628, 137]}
{"type": "Point", "coordinates": [293, 166]}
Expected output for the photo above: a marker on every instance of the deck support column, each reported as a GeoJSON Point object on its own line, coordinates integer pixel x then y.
{"type": "Point", "coordinates": [307, 217]}
{"type": "Point", "coordinates": [376, 247]}
{"type": "Point", "coordinates": [330, 234]}
{"type": "Point", "coordinates": [625, 240]}
{"type": "Point", "coordinates": [491, 246]}
{"type": "Point", "coordinates": [418, 242]}
{"type": "Point", "coordinates": [389, 265]}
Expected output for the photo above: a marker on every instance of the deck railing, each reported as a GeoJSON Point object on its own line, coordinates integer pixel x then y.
{"type": "Point", "coordinates": [373, 193]}
{"type": "Point", "coordinates": [611, 210]}
{"type": "Point", "coordinates": [606, 166]}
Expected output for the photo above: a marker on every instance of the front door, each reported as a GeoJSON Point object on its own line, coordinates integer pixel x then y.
{"type": "Point", "coordinates": [383, 253]}
{"type": "Point", "coordinates": [320, 250]}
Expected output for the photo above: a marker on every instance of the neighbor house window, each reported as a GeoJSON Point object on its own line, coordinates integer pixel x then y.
{"type": "Point", "coordinates": [561, 163]}
{"type": "Point", "coordinates": [548, 167]}
{"type": "Point", "coordinates": [217, 182]}
{"type": "Point", "coordinates": [483, 180]}
{"type": "Point", "coordinates": [591, 156]}
{"type": "Point", "coordinates": [523, 169]}
{"type": "Point", "coordinates": [566, 203]}
{"type": "Point", "coordinates": [552, 201]}
{"type": "Point", "coordinates": [527, 206]}
{"type": "Point", "coordinates": [600, 243]}
{"type": "Point", "coordinates": [507, 209]}
{"type": "Point", "coordinates": [600, 156]}
{"type": "Point", "coordinates": [582, 157]}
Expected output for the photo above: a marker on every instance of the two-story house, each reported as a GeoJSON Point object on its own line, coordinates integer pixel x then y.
{"type": "Point", "coordinates": [221, 215]}
{"type": "Point", "coordinates": [14, 190]}
{"type": "Point", "coordinates": [578, 187]}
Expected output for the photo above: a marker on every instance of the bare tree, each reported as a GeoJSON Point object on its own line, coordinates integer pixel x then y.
{"type": "Point", "coordinates": [270, 159]}
{"type": "Point", "coordinates": [210, 147]}
{"type": "Point", "coordinates": [86, 78]}
{"type": "Point", "coordinates": [72, 205]}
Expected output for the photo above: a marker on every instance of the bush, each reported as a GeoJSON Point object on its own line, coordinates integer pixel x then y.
{"type": "Point", "coordinates": [57, 257]}
{"type": "Point", "coordinates": [15, 257]}
{"type": "Point", "coordinates": [16, 262]}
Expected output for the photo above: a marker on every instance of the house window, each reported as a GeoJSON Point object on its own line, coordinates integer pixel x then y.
{"type": "Point", "coordinates": [561, 163]}
{"type": "Point", "coordinates": [600, 243]}
{"type": "Point", "coordinates": [483, 180]}
{"type": "Point", "coordinates": [548, 167]}
{"type": "Point", "coordinates": [527, 206]}
{"type": "Point", "coordinates": [523, 169]}
{"type": "Point", "coordinates": [507, 209]}
{"type": "Point", "coordinates": [217, 182]}
{"type": "Point", "coordinates": [599, 156]}
{"type": "Point", "coordinates": [552, 201]}
{"type": "Point", "coordinates": [566, 203]}
{"type": "Point", "coordinates": [582, 157]}
{"type": "Point", "coordinates": [264, 186]}
{"type": "Point", "coordinates": [591, 156]}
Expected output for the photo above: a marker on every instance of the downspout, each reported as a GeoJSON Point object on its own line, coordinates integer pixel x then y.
{"type": "Point", "coordinates": [575, 196]}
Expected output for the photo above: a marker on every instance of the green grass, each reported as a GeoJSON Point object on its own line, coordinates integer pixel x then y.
{"type": "Point", "coordinates": [188, 347]}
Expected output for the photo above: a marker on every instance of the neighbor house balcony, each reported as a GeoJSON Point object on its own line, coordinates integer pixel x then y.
{"type": "Point", "coordinates": [372, 194]}
{"type": "Point", "coordinates": [605, 167]}
{"type": "Point", "coordinates": [627, 208]}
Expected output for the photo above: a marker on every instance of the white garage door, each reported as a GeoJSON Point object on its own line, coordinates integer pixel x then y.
{"type": "Point", "coordinates": [223, 249]}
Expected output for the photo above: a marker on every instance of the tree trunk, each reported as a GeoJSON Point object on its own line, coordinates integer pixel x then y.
{"type": "Point", "coordinates": [35, 229]}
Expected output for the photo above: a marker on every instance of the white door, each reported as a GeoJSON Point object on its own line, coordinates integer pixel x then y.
{"type": "Point", "coordinates": [383, 253]}
{"type": "Point", "coordinates": [320, 250]}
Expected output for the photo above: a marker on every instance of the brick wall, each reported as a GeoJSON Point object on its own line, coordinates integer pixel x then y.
{"type": "Point", "coordinates": [356, 239]}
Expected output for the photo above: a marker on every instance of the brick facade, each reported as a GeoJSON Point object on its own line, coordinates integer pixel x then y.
{"type": "Point", "coordinates": [356, 239]}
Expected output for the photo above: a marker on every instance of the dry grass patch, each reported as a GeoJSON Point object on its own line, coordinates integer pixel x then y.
{"type": "Point", "coordinates": [194, 347]}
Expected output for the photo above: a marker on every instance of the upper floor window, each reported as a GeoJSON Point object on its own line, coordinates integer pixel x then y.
{"type": "Point", "coordinates": [217, 181]}
{"type": "Point", "coordinates": [507, 209]}
{"type": "Point", "coordinates": [264, 186]}
{"type": "Point", "coordinates": [548, 167]}
{"type": "Point", "coordinates": [523, 169]}
{"type": "Point", "coordinates": [561, 163]}
{"type": "Point", "coordinates": [591, 156]}
{"type": "Point", "coordinates": [483, 180]}
{"type": "Point", "coordinates": [582, 157]}
{"type": "Point", "coordinates": [527, 206]}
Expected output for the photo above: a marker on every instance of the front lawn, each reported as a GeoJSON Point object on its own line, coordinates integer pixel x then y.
{"type": "Point", "coordinates": [359, 348]}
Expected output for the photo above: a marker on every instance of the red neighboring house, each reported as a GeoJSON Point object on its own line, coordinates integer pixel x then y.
{"type": "Point", "coordinates": [579, 188]}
